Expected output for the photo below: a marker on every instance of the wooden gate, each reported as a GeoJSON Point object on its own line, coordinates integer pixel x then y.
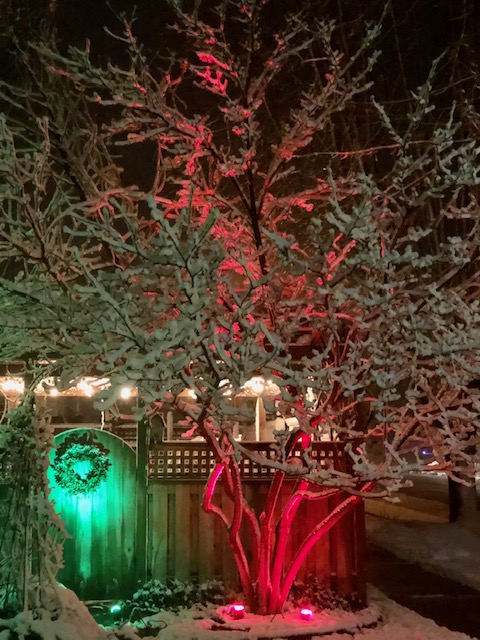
{"type": "Point", "coordinates": [100, 557]}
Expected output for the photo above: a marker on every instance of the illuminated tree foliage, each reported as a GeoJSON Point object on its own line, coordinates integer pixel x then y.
{"type": "Point", "coordinates": [270, 232]}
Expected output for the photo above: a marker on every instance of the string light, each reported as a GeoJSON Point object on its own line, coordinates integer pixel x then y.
{"type": "Point", "coordinates": [225, 387]}
{"type": "Point", "coordinates": [258, 386]}
{"type": "Point", "coordinates": [15, 385]}
{"type": "Point", "coordinates": [125, 393]}
{"type": "Point", "coordinates": [87, 388]}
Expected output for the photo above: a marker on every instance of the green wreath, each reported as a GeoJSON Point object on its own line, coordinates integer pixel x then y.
{"type": "Point", "coordinates": [81, 469]}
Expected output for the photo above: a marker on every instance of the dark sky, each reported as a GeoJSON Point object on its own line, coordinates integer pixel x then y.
{"type": "Point", "coordinates": [414, 33]}
{"type": "Point", "coordinates": [421, 29]}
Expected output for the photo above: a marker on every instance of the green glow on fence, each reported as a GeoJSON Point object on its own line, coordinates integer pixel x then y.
{"type": "Point", "coordinates": [83, 468]}
{"type": "Point", "coordinates": [99, 558]}
{"type": "Point", "coordinates": [115, 608]}
{"type": "Point", "coordinates": [84, 531]}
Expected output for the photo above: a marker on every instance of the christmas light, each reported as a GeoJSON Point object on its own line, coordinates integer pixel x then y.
{"type": "Point", "coordinates": [225, 387]}
{"type": "Point", "coordinates": [258, 386]}
{"type": "Point", "coordinates": [86, 388]}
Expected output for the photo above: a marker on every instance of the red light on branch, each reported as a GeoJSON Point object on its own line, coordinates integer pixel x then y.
{"type": "Point", "coordinates": [306, 614]}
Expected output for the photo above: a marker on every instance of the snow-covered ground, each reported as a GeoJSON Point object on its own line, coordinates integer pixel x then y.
{"type": "Point", "coordinates": [390, 620]}
{"type": "Point", "coordinates": [417, 530]}
{"type": "Point", "coordinates": [445, 549]}
{"type": "Point", "coordinates": [400, 623]}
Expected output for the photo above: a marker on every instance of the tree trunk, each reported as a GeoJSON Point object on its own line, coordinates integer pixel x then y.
{"type": "Point", "coordinates": [462, 495]}
{"type": "Point", "coordinates": [463, 502]}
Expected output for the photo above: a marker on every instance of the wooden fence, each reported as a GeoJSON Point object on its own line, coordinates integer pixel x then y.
{"type": "Point", "coordinates": [146, 521]}
{"type": "Point", "coordinates": [194, 461]}
{"type": "Point", "coordinates": [184, 542]}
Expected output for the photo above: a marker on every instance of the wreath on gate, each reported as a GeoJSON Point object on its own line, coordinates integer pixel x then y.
{"type": "Point", "coordinates": [80, 468]}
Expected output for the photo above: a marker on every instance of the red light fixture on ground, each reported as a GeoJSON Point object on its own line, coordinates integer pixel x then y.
{"type": "Point", "coordinates": [236, 611]}
{"type": "Point", "coordinates": [306, 614]}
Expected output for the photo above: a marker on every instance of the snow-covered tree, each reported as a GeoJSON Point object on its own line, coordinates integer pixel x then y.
{"type": "Point", "coordinates": [259, 239]}
{"type": "Point", "coordinates": [31, 533]}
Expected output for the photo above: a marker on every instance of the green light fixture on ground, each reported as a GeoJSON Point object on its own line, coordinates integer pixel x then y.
{"type": "Point", "coordinates": [115, 608]}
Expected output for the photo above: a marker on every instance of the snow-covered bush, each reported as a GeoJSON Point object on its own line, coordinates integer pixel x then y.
{"type": "Point", "coordinates": [60, 617]}
{"type": "Point", "coordinates": [31, 533]}
{"type": "Point", "coordinates": [314, 595]}
{"type": "Point", "coordinates": [173, 595]}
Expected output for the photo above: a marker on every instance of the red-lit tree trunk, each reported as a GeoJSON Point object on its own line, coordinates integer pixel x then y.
{"type": "Point", "coordinates": [267, 579]}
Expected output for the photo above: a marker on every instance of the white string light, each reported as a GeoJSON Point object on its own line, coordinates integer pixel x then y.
{"type": "Point", "coordinates": [86, 388]}
{"type": "Point", "coordinates": [259, 386]}
{"type": "Point", "coordinates": [125, 393]}
{"type": "Point", "coordinates": [12, 385]}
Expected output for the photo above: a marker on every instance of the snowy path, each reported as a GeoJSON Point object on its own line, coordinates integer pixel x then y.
{"type": "Point", "coordinates": [426, 539]}
{"type": "Point", "coordinates": [417, 530]}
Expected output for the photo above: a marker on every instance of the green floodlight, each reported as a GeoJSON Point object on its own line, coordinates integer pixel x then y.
{"type": "Point", "coordinates": [115, 608]}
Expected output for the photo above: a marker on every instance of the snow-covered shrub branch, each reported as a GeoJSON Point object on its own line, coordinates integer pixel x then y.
{"type": "Point", "coordinates": [31, 533]}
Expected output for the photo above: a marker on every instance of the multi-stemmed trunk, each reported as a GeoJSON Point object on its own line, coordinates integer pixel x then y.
{"type": "Point", "coordinates": [266, 579]}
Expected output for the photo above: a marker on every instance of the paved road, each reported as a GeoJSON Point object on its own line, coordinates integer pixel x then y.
{"type": "Point", "coordinates": [449, 603]}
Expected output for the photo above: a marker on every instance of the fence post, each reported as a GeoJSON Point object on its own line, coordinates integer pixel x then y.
{"type": "Point", "coordinates": [141, 502]}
